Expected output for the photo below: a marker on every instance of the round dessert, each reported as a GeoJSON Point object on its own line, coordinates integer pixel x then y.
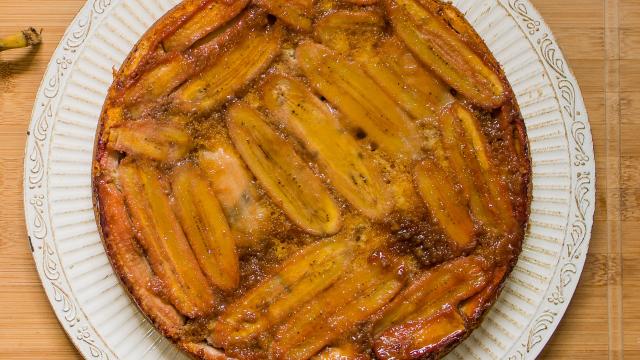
{"type": "Point", "coordinates": [330, 179]}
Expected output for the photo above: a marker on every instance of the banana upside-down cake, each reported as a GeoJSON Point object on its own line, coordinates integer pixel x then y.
{"type": "Point", "coordinates": [330, 179]}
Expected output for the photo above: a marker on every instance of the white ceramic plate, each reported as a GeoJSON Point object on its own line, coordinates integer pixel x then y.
{"type": "Point", "coordinates": [100, 318]}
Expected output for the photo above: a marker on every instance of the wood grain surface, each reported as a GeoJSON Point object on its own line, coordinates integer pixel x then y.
{"type": "Point", "coordinates": [601, 39]}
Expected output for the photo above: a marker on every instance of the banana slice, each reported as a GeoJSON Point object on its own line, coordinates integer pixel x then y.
{"type": "Point", "coordinates": [335, 311]}
{"type": "Point", "coordinates": [462, 160]}
{"type": "Point", "coordinates": [230, 73]}
{"type": "Point", "coordinates": [414, 88]}
{"type": "Point", "coordinates": [206, 227]}
{"type": "Point", "coordinates": [474, 307]}
{"type": "Point", "coordinates": [285, 176]}
{"type": "Point", "coordinates": [214, 16]}
{"type": "Point", "coordinates": [299, 280]}
{"type": "Point", "coordinates": [203, 350]}
{"type": "Point", "coordinates": [177, 68]}
{"type": "Point", "coordinates": [421, 338]}
{"type": "Point", "coordinates": [346, 30]}
{"type": "Point", "coordinates": [237, 194]}
{"type": "Point", "coordinates": [439, 193]}
{"type": "Point", "coordinates": [364, 104]}
{"type": "Point", "coordinates": [349, 169]}
{"type": "Point", "coordinates": [440, 47]}
{"type": "Point", "coordinates": [124, 253]}
{"type": "Point", "coordinates": [149, 49]}
{"type": "Point", "coordinates": [449, 283]}
{"type": "Point", "coordinates": [496, 187]}
{"type": "Point", "coordinates": [161, 236]}
{"type": "Point", "coordinates": [346, 351]}
{"type": "Point", "coordinates": [362, 2]}
{"type": "Point", "coordinates": [164, 142]}
{"type": "Point", "coordinates": [295, 13]}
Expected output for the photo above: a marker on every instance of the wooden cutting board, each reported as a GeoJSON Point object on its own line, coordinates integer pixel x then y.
{"type": "Point", "coordinates": [601, 39]}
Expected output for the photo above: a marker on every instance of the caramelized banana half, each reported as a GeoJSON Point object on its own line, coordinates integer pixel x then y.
{"type": "Point", "coordinates": [420, 338]}
{"type": "Point", "coordinates": [461, 160]}
{"type": "Point", "coordinates": [474, 307]}
{"type": "Point", "coordinates": [497, 188]}
{"type": "Point", "coordinates": [202, 351]}
{"type": "Point", "coordinates": [424, 319]}
{"type": "Point", "coordinates": [345, 30]}
{"type": "Point", "coordinates": [212, 17]}
{"type": "Point", "coordinates": [177, 68]}
{"type": "Point", "coordinates": [346, 164]}
{"type": "Point", "coordinates": [161, 236]}
{"type": "Point", "coordinates": [236, 192]}
{"type": "Point", "coordinates": [445, 204]}
{"type": "Point", "coordinates": [346, 351]}
{"type": "Point", "coordinates": [362, 2]}
{"type": "Point", "coordinates": [285, 176]}
{"type": "Point", "coordinates": [146, 50]}
{"type": "Point", "coordinates": [206, 227]}
{"type": "Point", "coordinates": [354, 298]}
{"type": "Point", "coordinates": [294, 13]}
{"type": "Point", "coordinates": [449, 283]}
{"type": "Point", "coordinates": [232, 71]}
{"type": "Point", "coordinates": [413, 87]}
{"type": "Point", "coordinates": [441, 48]}
{"type": "Point", "coordinates": [125, 254]}
{"type": "Point", "coordinates": [363, 103]}
{"type": "Point", "coordinates": [469, 156]}
{"type": "Point", "coordinates": [148, 139]}
{"type": "Point", "coordinates": [299, 280]}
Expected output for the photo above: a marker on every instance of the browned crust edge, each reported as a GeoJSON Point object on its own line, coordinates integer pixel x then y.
{"type": "Point", "coordinates": [181, 13]}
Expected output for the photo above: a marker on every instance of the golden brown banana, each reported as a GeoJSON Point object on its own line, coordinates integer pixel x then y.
{"type": "Point", "coordinates": [22, 39]}
{"type": "Point", "coordinates": [285, 176]}
{"type": "Point", "coordinates": [210, 19]}
{"type": "Point", "coordinates": [229, 73]}
{"type": "Point", "coordinates": [474, 307]}
{"type": "Point", "coordinates": [299, 280]}
{"type": "Point", "coordinates": [449, 283]}
{"type": "Point", "coordinates": [365, 106]}
{"type": "Point", "coordinates": [335, 311]}
{"type": "Point", "coordinates": [488, 174]}
{"type": "Point", "coordinates": [149, 51]}
{"type": "Point", "coordinates": [206, 227]}
{"type": "Point", "coordinates": [439, 193]}
{"type": "Point", "coordinates": [148, 139]}
{"type": "Point", "coordinates": [169, 74]}
{"type": "Point", "coordinates": [294, 13]}
{"type": "Point", "coordinates": [124, 253]}
{"type": "Point", "coordinates": [234, 188]}
{"type": "Point", "coordinates": [461, 160]}
{"type": "Point", "coordinates": [363, 2]}
{"type": "Point", "coordinates": [346, 164]}
{"type": "Point", "coordinates": [346, 30]}
{"type": "Point", "coordinates": [346, 351]}
{"type": "Point", "coordinates": [163, 240]}
{"type": "Point", "coordinates": [202, 350]}
{"type": "Point", "coordinates": [418, 339]}
{"type": "Point", "coordinates": [441, 48]}
{"type": "Point", "coordinates": [413, 87]}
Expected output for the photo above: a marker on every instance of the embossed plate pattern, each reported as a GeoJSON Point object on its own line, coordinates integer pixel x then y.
{"type": "Point", "coordinates": [100, 318]}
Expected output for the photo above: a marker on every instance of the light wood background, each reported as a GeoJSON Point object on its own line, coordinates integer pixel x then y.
{"type": "Point", "coordinates": [601, 39]}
